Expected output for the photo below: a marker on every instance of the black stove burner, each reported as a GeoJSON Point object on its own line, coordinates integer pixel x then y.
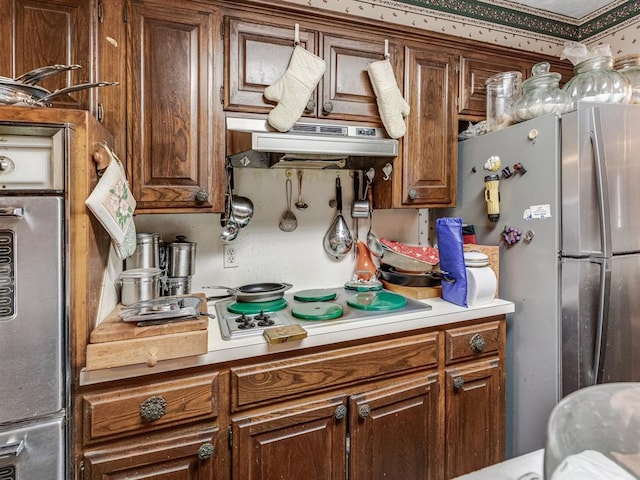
{"type": "Point", "coordinates": [263, 320]}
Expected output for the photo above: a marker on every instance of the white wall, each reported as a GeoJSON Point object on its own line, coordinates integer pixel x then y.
{"type": "Point", "coordinates": [265, 252]}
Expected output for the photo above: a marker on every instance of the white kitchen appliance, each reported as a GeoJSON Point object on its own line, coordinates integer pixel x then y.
{"type": "Point", "coordinates": [570, 185]}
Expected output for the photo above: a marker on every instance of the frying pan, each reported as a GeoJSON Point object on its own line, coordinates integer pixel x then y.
{"type": "Point", "coordinates": [254, 292]}
{"type": "Point", "coordinates": [13, 92]}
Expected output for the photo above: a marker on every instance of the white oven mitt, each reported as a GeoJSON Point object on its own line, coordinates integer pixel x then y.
{"type": "Point", "coordinates": [392, 107]}
{"type": "Point", "coordinates": [293, 90]}
{"type": "Point", "coordinates": [113, 205]}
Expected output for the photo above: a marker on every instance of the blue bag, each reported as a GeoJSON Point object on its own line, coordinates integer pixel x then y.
{"type": "Point", "coordinates": [449, 233]}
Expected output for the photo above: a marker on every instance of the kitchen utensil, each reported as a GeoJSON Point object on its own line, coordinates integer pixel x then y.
{"type": "Point", "coordinates": [288, 222]}
{"type": "Point", "coordinates": [18, 93]}
{"type": "Point", "coordinates": [230, 229]}
{"type": "Point", "coordinates": [404, 262]}
{"type": "Point", "coordinates": [300, 205]}
{"type": "Point", "coordinates": [229, 232]}
{"type": "Point", "coordinates": [255, 292]}
{"type": "Point", "coordinates": [365, 268]}
{"type": "Point", "coordinates": [241, 210]}
{"type": "Point", "coordinates": [181, 257]}
{"type": "Point", "coordinates": [139, 284]}
{"type": "Point", "coordinates": [374, 245]}
{"type": "Point", "coordinates": [338, 240]}
{"type": "Point", "coordinates": [162, 309]}
{"type": "Point", "coordinates": [360, 206]}
{"type": "Point", "coordinates": [35, 76]}
{"type": "Point", "coordinates": [392, 275]}
{"type": "Point", "coordinates": [147, 252]}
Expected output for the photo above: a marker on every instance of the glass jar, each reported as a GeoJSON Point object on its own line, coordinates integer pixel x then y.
{"type": "Point", "coordinates": [629, 66]}
{"type": "Point", "coordinates": [595, 80]}
{"type": "Point", "coordinates": [503, 89]}
{"type": "Point", "coordinates": [541, 95]}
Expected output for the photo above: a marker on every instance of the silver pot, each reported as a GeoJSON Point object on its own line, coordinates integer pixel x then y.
{"type": "Point", "coordinates": [139, 284]}
{"type": "Point", "coordinates": [181, 258]}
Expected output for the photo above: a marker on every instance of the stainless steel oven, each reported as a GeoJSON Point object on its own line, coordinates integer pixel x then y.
{"type": "Point", "coordinates": [33, 345]}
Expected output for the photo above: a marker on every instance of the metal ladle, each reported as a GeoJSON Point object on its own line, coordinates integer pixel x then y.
{"type": "Point", "coordinates": [338, 241]}
{"type": "Point", "coordinates": [374, 245]}
{"type": "Point", "coordinates": [300, 205]}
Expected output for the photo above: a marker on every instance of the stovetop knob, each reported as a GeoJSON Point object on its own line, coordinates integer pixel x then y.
{"type": "Point", "coordinates": [263, 319]}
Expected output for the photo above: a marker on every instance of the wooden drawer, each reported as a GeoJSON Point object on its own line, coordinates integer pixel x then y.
{"type": "Point", "coordinates": [466, 343]}
{"type": "Point", "coordinates": [306, 374]}
{"type": "Point", "coordinates": [150, 407]}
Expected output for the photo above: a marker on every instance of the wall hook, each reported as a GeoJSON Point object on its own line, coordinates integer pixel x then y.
{"type": "Point", "coordinates": [387, 170]}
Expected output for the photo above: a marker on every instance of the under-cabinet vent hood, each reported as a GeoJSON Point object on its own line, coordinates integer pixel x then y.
{"type": "Point", "coordinates": [252, 143]}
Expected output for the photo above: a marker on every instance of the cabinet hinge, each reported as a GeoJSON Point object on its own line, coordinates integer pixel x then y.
{"type": "Point", "coordinates": [230, 438]}
{"type": "Point", "coordinates": [348, 445]}
{"type": "Point", "coordinates": [124, 14]}
{"type": "Point", "coordinates": [81, 470]}
{"type": "Point", "coordinates": [457, 66]}
{"type": "Point", "coordinates": [100, 12]}
{"type": "Point", "coordinates": [222, 29]}
{"type": "Point", "coordinates": [222, 94]}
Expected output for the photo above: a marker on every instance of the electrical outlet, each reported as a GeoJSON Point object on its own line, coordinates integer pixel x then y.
{"type": "Point", "coordinates": [230, 256]}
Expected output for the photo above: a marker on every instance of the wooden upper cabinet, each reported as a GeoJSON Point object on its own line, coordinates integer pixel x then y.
{"type": "Point", "coordinates": [426, 176]}
{"type": "Point", "coordinates": [257, 54]}
{"type": "Point", "coordinates": [173, 159]}
{"type": "Point", "coordinates": [474, 72]}
{"type": "Point", "coordinates": [47, 32]}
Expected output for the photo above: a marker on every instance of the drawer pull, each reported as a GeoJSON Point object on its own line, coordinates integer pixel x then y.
{"type": "Point", "coordinates": [341, 412]}
{"type": "Point", "coordinates": [364, 411]}
{"type": "Point", "coordinates": [311, 106]}
{"type": "Point", "coordinates": [153, 408]}
{"type": "Point", "coordinates": [458, 382]}
{"type": "Point", "coordinates": [478, 343]}
{"type": "Point", "coordinates": [205, 451]}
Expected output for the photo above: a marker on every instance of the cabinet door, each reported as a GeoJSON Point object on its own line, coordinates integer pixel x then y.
{"type": "Point", "coordinates": [429, 149]}
{"type": "Point", "coordinates": [172, 112]}
{"type": "Point", "coordinates": [394, 432]}
{"type": "Point", "coordinates": [346, 92]}
{"type": "Point", "coordinates": [257, 54]}
{"type": "Point", "coordinates": [474, 73]}
{"type": "Point", "coordinates": [475, 417]}
{"type": "Point", "coordinates": [301, 440]}
{"type": "Point", "coordinates": [179, 456]}
{"type": "Point", "coordinates": [47, 32]}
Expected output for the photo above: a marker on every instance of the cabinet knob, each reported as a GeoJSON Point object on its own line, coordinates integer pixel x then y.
{"type": "Point", "coordinates": [341, 412]}
{"type": "Point", "coordinates": [311, 106]}
{"type": "Point", "coordinates": [327, 108]}
{"type": "Point", "coordinates": [6, 164]}
{"type": "Point", "coordinates": [205, 451]}
{"type": "Point", "coordinates": [202, 195]}
{"type": "Point", "coordinates": [153, 408]}
{"type": "Point", "coordinates": [458, 382]}
{"type": "Point", "coordinates": [478, 343]}
{"type": "Point", "coordinates": [413, 194]}
{"type": "Point", "coordinates": [364, 410]}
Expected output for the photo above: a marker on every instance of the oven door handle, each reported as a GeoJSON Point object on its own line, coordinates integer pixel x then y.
{"type": "Point", "coordinates": [11, 449]}
{"type": "Point", "coordinates": [12, 212]}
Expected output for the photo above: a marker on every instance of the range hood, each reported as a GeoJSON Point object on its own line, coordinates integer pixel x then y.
{"type": "Point", "coordinates": [308, 145]}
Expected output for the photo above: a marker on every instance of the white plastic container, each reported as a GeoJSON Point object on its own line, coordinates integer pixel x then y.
{"type": "Point", "coordinates": [481, 280]}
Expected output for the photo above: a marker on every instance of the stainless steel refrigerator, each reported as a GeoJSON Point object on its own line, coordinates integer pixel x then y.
{"type": "Point", "coordinates": [571, 186]}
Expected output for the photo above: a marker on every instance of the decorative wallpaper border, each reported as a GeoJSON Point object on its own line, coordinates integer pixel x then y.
{"type": "Point", "coordinates": [524, 20]}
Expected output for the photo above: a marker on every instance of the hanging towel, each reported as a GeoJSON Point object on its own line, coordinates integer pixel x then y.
{"type": "Point", "coordinates": [113, 205]}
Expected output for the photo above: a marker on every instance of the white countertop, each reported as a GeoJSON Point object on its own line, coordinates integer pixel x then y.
{"type": "Point", "coordinates": [324, 333]}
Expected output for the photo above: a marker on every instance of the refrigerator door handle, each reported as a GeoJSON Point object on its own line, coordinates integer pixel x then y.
{"type": "Point", "coordinates": [602, 321]}
{"type": "Point", "coordinates": [602, 184]}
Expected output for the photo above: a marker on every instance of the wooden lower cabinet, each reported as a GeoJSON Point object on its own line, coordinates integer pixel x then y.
{"type": "Point", "coordinates": [386, 432]}
{"type": "Point", "coordinates": [185, 455]}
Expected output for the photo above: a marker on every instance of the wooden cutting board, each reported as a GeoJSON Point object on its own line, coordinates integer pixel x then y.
{"type": "Point", "coordinates": [112, 328]}
{"type": "Point", "coordinates": [419, 293]}
{"type": "Point", "coordinates": [115, 343]}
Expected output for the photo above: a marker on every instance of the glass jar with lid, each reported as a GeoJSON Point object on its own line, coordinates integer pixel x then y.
{"type": "Point", "coordinates": [629, 66]}
{"type": "Point", "coordinates": [503, 89]}
{"type": "Point", "coordinates": [541, 95]}
{"type": "Point", "coordinates": [595, 80]}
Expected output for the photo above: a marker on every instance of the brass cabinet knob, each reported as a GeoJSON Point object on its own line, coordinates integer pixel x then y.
{"type": "Point", "coordinates": [341, 412]}
{"type": "Point", "coordinates": [458, 382]}
{"type": "Point", "coordinates": [413, 194]}
{"type": "Point", "coordinates": [311, 106]}
{"type": "Point", "coordinates": [153, 408]}
{"type": "Point", "coordinates": [364, 411]}
{"type": "Point", "coordinates": [206, 451]}
{"type": "Point", "coordinates": [478, 343]}
{"type": "Point", "coordinates": [202, 195]}
{"type": "Point", "coordinates": [327, 108]}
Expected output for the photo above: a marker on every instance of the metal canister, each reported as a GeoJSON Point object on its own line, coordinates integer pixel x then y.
{"type": "Point", "coordinates": [176, 286]}
{"type": "Point", "coordinates": [139, 284]}
{"type": "Point", "coordinates": [181, 258]}
{"type": "Point", "coordinates": [147, 252]}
